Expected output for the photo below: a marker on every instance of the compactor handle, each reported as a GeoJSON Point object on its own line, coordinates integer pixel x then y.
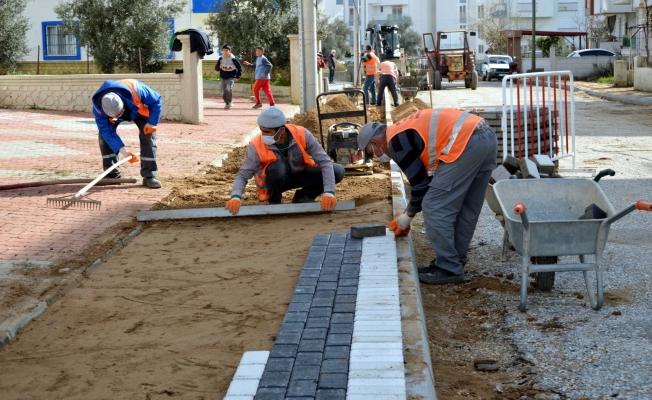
{"type": "Point", "coordinates": [604, 173]}
{"type": "Point", "coordinates": [643, 205]}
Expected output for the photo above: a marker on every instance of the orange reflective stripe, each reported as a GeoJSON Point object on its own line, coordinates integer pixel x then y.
{"type": "Point", "coordinates": [449, 129]}
{"type": "Point", "coordinates": [131, 84]}
{"type": "Point", "coordinates": [299, 135]}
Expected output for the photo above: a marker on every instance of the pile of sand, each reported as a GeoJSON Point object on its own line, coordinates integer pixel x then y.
{"type": "Point", "coordinates": [408, 108]}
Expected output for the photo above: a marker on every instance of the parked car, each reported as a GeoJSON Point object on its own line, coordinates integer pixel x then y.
{"type": "Point", "coordinates": [495, 66]}
{"type": "Point", "coordinates": [592, 52]}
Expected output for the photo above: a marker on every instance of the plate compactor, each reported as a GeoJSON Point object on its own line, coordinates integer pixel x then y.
{"type": "Point", "coordinates": [341, 142]}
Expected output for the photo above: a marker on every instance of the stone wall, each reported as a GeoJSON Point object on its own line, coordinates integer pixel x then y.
{"type": "Point", "coordinates": [580, 66]}
{"type": "Point", "coordinates": [74, 92]}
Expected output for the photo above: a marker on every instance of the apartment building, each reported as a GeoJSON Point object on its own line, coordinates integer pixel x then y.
{"type": "Point", "coordinates": [625, 18]}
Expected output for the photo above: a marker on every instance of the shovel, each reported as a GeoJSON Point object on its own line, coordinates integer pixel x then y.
{"type": "Point", "coordinates": [76, 201]}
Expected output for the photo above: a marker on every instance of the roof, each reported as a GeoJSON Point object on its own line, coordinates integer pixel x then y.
{"type": "Point", "coordinates": [550, 33]}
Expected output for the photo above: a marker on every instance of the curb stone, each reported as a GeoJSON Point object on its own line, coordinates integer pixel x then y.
{"type": "Point", "coordinates": [643, 101]}
{"type": "Point", "coordinates": [12, 328]}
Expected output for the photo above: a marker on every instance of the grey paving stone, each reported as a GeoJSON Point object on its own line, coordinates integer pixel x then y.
{"type": "Point", "coordinates": [299, 307]}
{"type": "Point", "coordinates": [347, 290]}
{"type": "Point", "coordinates": [350, 260]}
{"type": "Point", "coordinates": [306, 359]}
{"type": "Point", "coordinates": [352, 254]}
{"type": "Point", "coordinates": [334, 256]}
{"type": "Point", "coordinates": [309, 345]}
{"type": "Point", "coordinates": [332, 263]}
{"type": "Point", "coordinates": [292, 327]}
{"type": "Point", "coordinates": [321, 240]}
{"type": "Point", "coordinates": [279, 364]}
{"type": "Point", "coordinates": [334, 366]}
{"type": "Point", "coordinates": [283, 351]}
{"type": "Point", "coordinates": [348, 282]}
{"type": "Point", "coordinates": [327, 286]}
{"type": "Point", "coordinates": [337, 352]}
{"type": "Point", "coordinates": [325, 302]}
{"type": "Point", "coordinates": [344, 307]}
{"type": "Point", "coordinates": [331, 394]}
{"type": "Point", "coordinates": [342, 318]}
{"type": "Point", "coordinates": [305, 289]}
{"type": "Point", "coordinates": [293, 316]}
{"type": "Point", "coordinates": [350, 274]}
{"type": "Point", "coordinates": [338, 236]}
{"type": "Point", "coordinates": [339, 249]}
{"type": "Point", "coordinates": [311, 281]}
{"type": "Point", "coordinates": [302, 298]}
{"type": "Point", "coordinates": [278, 379]}
{"type": "Point", "coordinates": [288, 338]}
{"type": "Point", "coordinates": [350, 266]}
{"type": "Point", "coordinates": [310, 372]}
{"type": "Point", "coordinates": [333, 381]}
{"type": "Point", "coordinates": [318, 249]}
{"type": "Point", "coordinates": [341, 328]}
{"type": "Point", "coordinates": [345, 298]}
{"type": "Point", "coordinates": [353, 246]}
{"type": "Point", "coordinates": [320, 312]}
{"type": "Point", "coordinates": [309, 273]}
{"type": "Point", "coordinates": [330, 271]}
{"type": "Point", "coordinates": [337, 339]}
{"type": "Point", "coordinates": [329, 278]}
{"type": "Point", "coordinates": [270, 394]}
{"type": "Point", "coordinates": [319, 322]}
{"type": "Point", "coordinates": [302, 388]}
{"type": "Point", "coordinates": [313, 265]}
{"type": "Point", "coordinates": [324, 294]}
{"type": "Point", "coordinates": [370, 230]}
{"type": "Point", "coordinates": [314, 333]}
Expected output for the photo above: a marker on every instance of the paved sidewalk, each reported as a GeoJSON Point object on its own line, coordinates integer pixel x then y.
{"type": "Point", "coordinates": [43, 145]}
{"type": "Point", "coordinates": [607, 91]}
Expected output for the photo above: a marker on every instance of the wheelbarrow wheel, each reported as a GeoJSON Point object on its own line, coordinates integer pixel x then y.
{"type": "Point", "coordinates": [544, 280]}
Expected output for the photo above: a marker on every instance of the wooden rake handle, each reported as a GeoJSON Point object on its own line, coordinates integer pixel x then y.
{"type": "Point", "coordinates": [83, 191]}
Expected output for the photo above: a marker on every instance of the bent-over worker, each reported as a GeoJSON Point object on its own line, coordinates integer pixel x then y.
{"type": "Point", "coordinates": [448, 156]}
{"type": "Point", "coordinates": [388, 78]}
{"type": "Point", "coordinates": [284, 157]}
{"type": "Point", "coordinates": [128, 100]}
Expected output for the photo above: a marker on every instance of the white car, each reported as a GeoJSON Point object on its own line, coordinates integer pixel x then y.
{"type": "Point", "coordinates": [495, 67]}
{"type": "Point", "coordinates": [592, 52]}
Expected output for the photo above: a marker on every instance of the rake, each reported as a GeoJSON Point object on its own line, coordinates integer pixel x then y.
{"type": "Point", "coordinates": [75, 201]}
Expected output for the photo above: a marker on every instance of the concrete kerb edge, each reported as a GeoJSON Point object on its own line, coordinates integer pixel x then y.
{"type": "Point", "coordinates": [14, 328]}
{"type": "Point", "coordinates": [643, 101]}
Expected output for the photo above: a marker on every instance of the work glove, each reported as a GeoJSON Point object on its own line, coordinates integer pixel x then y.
{"type": "Point", "coordinates": [233, 205]}
{"type": "Point", "coordinates": [328, 201]}
{"type": "Point", "coordinates": [124, 153]}
{"type": "Point", "coordinates": [149, 129]}
{"type": "Point", "coordinates": [401, 225]}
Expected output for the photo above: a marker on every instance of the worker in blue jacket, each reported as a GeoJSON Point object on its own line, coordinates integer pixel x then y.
{"type": "Point", "coordinates": [128, 100]}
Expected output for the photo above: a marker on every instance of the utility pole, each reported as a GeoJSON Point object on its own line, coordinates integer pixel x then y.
{"type": "Point", "coordinates": [356, 40]}
{"type": "Point", "coordinates": [534, 35]}
{"type": "Point", "coordinates": [308, 54]}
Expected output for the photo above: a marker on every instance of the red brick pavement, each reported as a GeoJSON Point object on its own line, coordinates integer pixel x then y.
{"type": "Point", "coordinates": [31, 230]}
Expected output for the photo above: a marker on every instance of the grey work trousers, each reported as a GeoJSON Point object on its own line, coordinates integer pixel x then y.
{"type": "Point", "coordinates": [452, 205]}
{"type": "Point", "coordinates": [227, 90]}
{"type": "Point", "coordinates": [148, 152]}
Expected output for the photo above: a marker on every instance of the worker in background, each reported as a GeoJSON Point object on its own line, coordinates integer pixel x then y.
{"type": "Point", "coordinates": [331, 67]}
{"type": "Point", "coordinates": [371, 65]}
{"type": "Point", "coordinates": [448, 156]}
{"type": "Point", "coordinates": [388, 78]}
{"type": "Point", "coordinates": [128, 100]}
{"type": "Point", "coordinates": [285, 157]}
{"type": "Point", "coordinates": [385, 48]}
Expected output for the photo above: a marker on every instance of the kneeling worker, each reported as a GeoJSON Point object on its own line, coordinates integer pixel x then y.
{"type": "Point", "coordinates": [128, 100]}
{"type": "Point", "coordinates": [284, 157]}
{"type": "Point", "coordinates": [448, 156]}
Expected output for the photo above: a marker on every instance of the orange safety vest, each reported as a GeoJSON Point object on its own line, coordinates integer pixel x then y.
{"type": "Point", "coordinates": [131, 84]}
{"type": "Point", "coordinates": [371, 66]}
{"type": "Point", "coordinates": [448, 129]}
{"type": "Point", "coordinates": [268, 156]}
{"type": "Point", "coordinates": [387, 68]}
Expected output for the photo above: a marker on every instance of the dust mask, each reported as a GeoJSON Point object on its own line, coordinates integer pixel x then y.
{"type": "Point", "coordinates": [269, 140]}
{"type": "Point", "coordinates": [383, 157]}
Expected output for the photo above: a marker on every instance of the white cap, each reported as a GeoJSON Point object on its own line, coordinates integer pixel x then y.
{"type": "Point", "coordinates": [272, 117]}
{"type": "Point", "coordinates": [333, 51]}
{"type": "Point", "coordinates": [112, 105]}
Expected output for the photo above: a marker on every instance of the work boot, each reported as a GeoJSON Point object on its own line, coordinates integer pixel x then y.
{"type": "Point", "coordinates": [302, 199]}
{"type": "Point", "coordinates": [427, 268]}
{"type": "Point", "coordinates": [227, 106]}
{"type": "Point", "coordinates": [152, 183]}
{"type": "Point", "coordinates": [440, 277]}
{"type": "Point", "coordinates": [257, 105]}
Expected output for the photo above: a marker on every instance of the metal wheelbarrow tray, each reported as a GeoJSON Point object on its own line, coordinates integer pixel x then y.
{"type": "Point", "coordinates": [550, 226]}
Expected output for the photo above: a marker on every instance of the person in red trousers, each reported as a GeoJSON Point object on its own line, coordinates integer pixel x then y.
{"type": "Point", "coordinates": [262, 69]}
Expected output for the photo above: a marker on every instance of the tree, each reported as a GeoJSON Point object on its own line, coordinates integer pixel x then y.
{"type": "Point", "coordinates": [546, 42]}
{"type": "Point", "coordinates": [14, 26]}
{"type": "Point", "coordinates": [647, 27]}
{"type": "Point", "coordinates": [595, 27]}
{"type": "Point", "coordinates": [494, 19]}
{"type": "Point", "coordinates": [115, 30]}
{"type": "Point", "coordinates": [245, 24]}
{"type": "Point", "coordinates": [335, 35]}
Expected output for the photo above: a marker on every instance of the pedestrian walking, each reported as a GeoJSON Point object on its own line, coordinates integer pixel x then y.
{"type": "Point", "coordinates": [128, 100]}
{"type": "Point", "coordinates": [262, 69]}
{"type": "Point", "coordinates": [230, 71]}
{"type": "Point", "coordinates": [371, 64]}
{"type": "Point", "coordinates": [388, 78]}
{"type": "Point", "coordinates": [331, 66]}
{"type": "Point", "coordinates": [448, 156]}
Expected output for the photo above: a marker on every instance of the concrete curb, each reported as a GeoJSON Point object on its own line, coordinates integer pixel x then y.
{"type": "Point", "coordinates": [12, 328]}
{"type": "Point", "coordinates": [642, 101]}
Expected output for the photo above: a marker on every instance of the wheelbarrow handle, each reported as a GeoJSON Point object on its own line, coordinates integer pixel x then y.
{"type": "Point", "coordinates": [604, 173]}
{"type": "Point", "coordinates": [519, 209]}
{"type": "Point", "coordinates": [643, 205]}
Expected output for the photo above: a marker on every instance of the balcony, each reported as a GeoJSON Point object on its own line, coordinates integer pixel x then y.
{"type": "Point", "coordinates": [616, 6]}
{"type": "Point", "coordinates": [498, 10]}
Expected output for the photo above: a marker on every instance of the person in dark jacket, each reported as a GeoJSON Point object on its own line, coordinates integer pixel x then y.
{"type": "Point", "coordinates": [230, 71]}
{"type": "Point", "coordinates": [128, 100]}
{"type": "Point", "coordinates": [331, 66]}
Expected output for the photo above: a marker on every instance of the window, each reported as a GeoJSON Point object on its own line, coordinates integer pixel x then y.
{"type": "Point", "coordinates": [463, 14]}
{"type": "Point", "coordinates": [397, 12]}
{"type": "Point", "coordinates": [351, 16]}
{"type": "Point", "coordinates": [205, 6]}
{"type": "Point", "coordinates": [339, 2]}
{"type": "Point", "coordinates": [56, 45]}
{"type": "Point", "coordinates": [526, 7]}
{"type": "Point", "coordinates": [481, 48]}
{"type": "Point", "coordinates": [481, 11]}
{"type": "Point", "coordinates": [381, 8]}
{"type": "Point", "coordinates": [567, 6]}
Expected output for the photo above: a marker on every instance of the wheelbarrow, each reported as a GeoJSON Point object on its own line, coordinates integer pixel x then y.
{"type": "Point", "coordinates": [408, 92]}
{"type": "Point", "coordinates": [541, 217]}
